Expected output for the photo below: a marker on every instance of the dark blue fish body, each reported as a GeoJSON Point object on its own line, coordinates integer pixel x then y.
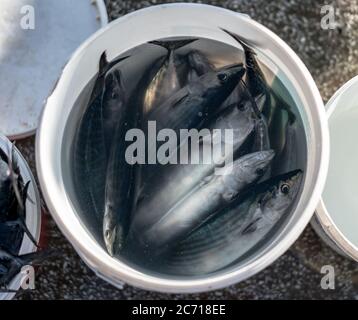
{"type": "Point", "coordinates": [189, 106]}
{"type": "Point", "coordinates": [90, 149]}
{"type": "Point", "coordinates": [193, 104]}
{"type": "Point", "coordinates": [201, 203]}
{"type": "Point", "coordinates": [123, 178]}
{"type": "Point", "coordinates": [162, 190]}
{"type": "Point", "coordinates": [11, 236]}
{"type": "Point", "coordinates": [237, 229]}
{"type": "Point", "coordinates": [118, 193]}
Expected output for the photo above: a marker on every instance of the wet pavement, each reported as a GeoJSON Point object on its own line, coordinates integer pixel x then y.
{"type": "Point", "coordinates": [332, 58]}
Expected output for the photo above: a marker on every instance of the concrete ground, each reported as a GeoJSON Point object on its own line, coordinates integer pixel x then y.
{"type": "Point", "coordinates": [332, 58]}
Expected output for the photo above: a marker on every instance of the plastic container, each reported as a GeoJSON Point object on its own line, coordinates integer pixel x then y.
{"type": "Point", "coordinates": [33, 214]}
{"type": "Point", "coordinates": [60, 120]}
{"type": "Point", "coordinates": [336, 219]}
{"type": "Point", "coordinates": [32, 59]}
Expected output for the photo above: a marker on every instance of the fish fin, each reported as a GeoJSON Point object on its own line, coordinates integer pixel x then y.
{"type": "Point", "coordinates": [21, 220]}
{"type": "Point", "coordinates": [105, 65]}
{"type": "Point", "coordinates": [172, 45]}
{"type": "Point", "coordinates": [261, 101]}
{"type": "Point", "coordinates": [251, 227]}
{"type": "Point", "coordinates": [21, 223]}
{"type": "Point", "coordinates": [177, 100]}
{"type": "Point", "coordinates": [103, 62]}
{"type": "Point", "coordinates": [251, 98]}
{"type": "Point", "coordinates": [14, 174]}
{"type": "Point", "coordinates": [242, 42]}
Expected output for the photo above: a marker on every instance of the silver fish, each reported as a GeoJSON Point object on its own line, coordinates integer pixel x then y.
{"type": "Point", "coordinates": [166, 81]}
{"type": "Point", "coordinates": [90, 154]}
{"type": "Point", "coordinates": [121, 184]}
{"type": "Point", "coordinates": [202, 202]}
{"type": "Point", "coordinates": [162, 190]}
{"type": "Point", "coordinates": [189, 106]}
{"type": "Point", "coordinates": [118, 192]}
{"type": "Point", "coordinates": [236, 231]}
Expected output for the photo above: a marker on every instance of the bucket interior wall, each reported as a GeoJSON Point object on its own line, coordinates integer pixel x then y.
{"type": "Point", "coordinates": [339, 195]}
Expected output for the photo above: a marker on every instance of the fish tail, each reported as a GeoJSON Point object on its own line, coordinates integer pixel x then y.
{"type": "Point", "coordinates": [105, 65]}
{"type": "Point", "coordinates": [103, 62]}
{"type": "Point", "coordinates": [172, 45]}
{"type": "Point", "coordinates": [253, 102]}
{"type": "Point", "coordinates": [244, 45]}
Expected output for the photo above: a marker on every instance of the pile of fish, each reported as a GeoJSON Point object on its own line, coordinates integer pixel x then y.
{"type": "Point", "coordinates": [13, 197]}
{"type": "Point", "coordinates": [192, 218]}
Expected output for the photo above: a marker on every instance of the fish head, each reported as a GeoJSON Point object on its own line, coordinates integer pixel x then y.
{"type": "Point", "coordinates": [112, 232]}
{"type": "Point", "coordinates": [230, 75]}
{"type": "Point", "coordinates": [290, 187]}
{"type": "Point", "coordinates": [219, 84]}
{"type": "Point", "coordinates": [113, 90]}
{"type": "Point", "coordinates": [255, 164]}
{"type": "Point", "coordinates": [282, 194]}
{"type": "Point", "coordinates": [109, 230]}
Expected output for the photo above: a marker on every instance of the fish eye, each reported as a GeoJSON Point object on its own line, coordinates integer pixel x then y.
{"type": "Point", "coordinates": [285, 188]}
{"type": "Point", "coordinates": [222, 77]}
{"type": "Point", "coordinates": [114, 95]}
{"type": "Point", "coordinates": [241, 106]}
{"type": "Point", "coordinates": [260, 172]}
{"type": "Point", "coordinates": [107, 234]}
